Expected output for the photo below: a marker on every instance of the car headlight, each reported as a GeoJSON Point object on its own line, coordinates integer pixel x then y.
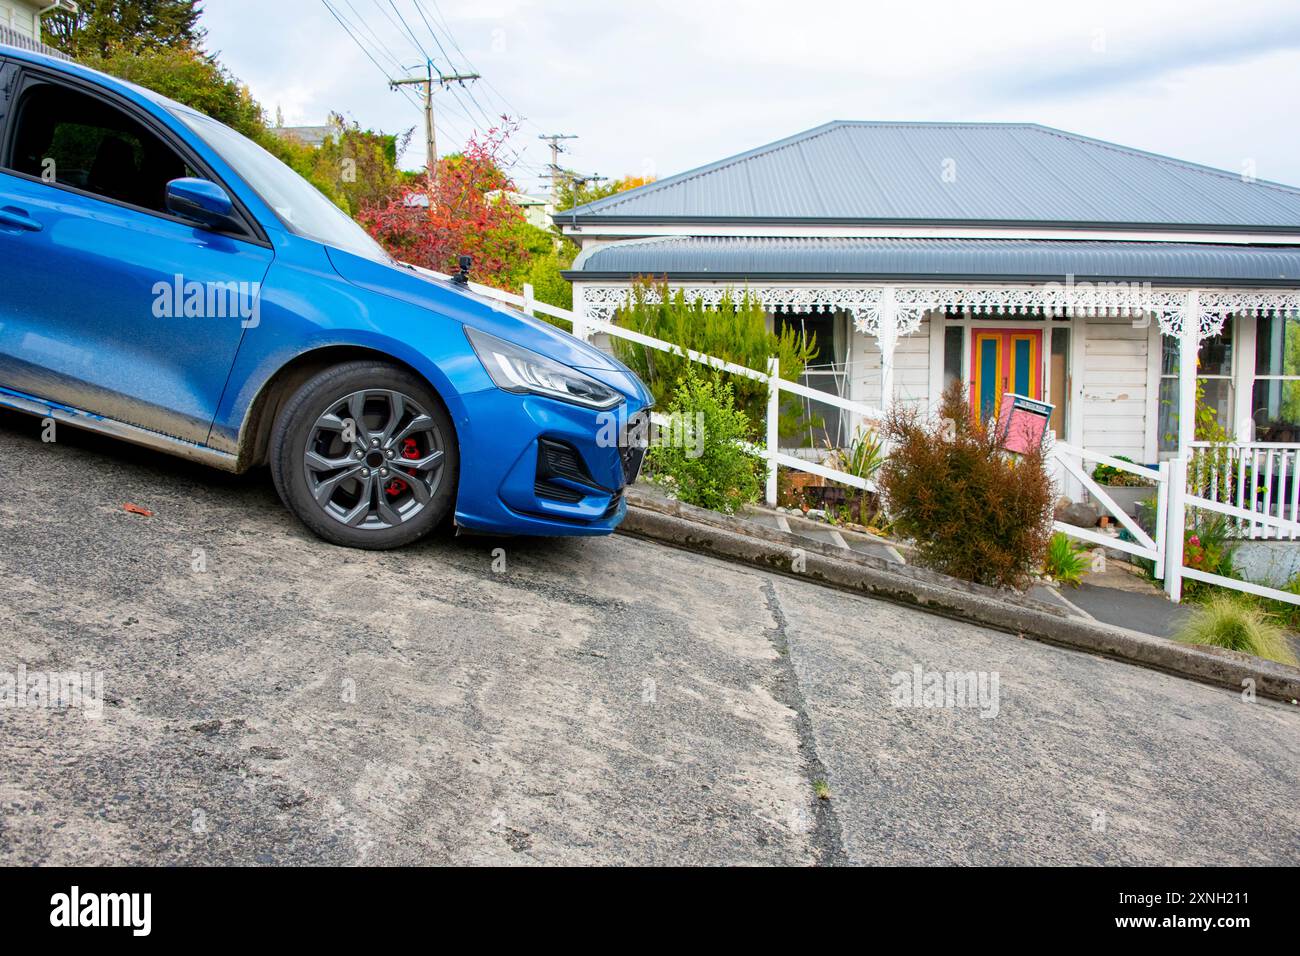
{"type": "Point", "coordinates": [516, 369]}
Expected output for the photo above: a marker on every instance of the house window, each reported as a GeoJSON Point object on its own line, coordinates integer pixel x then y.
{"type": "Point", "coordinates": [954, 354]}
{"type": "Point", "coordinates": [1213, 374]}
{"type": "Point", "coordinates": [1059, 377]}
{"type": "Point", "coordinates": [1275, 401]}
{"type": "Point", "coordinates": [827, 371]}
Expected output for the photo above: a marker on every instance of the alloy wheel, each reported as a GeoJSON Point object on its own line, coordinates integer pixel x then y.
{"type": "Point", "coordinates": [374, 459]}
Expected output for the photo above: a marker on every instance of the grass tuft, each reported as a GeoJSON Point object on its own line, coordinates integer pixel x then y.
{"type": "Point", "coordinates": [1239, 625]}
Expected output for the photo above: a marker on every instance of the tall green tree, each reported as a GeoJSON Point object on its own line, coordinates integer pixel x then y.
{"type": "Point", "coordinates": [101, 27]}
{"type": "Point", "coordinates": [187, 76]}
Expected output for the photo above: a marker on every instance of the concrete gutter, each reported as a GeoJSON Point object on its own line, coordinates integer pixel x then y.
{"type": "Point", "coordinates": [732, 539]}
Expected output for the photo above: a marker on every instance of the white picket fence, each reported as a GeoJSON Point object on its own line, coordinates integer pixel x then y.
{"type": "Point", "coordinates": [1173, 502]}
{"type": "Point", "coordinates": [1261, 478]}
{"type": "Point", "coordinates": [1170, 480]}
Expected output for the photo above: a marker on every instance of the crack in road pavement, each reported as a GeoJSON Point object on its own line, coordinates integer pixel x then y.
{"type": "Point", "coordinates": [826, 829]}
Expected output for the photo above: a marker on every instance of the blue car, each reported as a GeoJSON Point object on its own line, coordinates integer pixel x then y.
{"type": "Point", "coordinates": [166, 281]}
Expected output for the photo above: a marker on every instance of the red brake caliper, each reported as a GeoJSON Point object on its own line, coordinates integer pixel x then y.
{"type": "Point", "coordinates": [411, 452]}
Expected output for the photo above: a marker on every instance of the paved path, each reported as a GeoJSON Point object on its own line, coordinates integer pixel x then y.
{"type": "Point", "coordinates": [1148, 611]}
{"type": "Point", "coordinates": [271, 699]}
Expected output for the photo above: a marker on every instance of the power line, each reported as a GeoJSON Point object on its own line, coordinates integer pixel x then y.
{"type": "Point", "coordinates": [355, 39]}
{"type": "Point", "coordinates": [433, 126]}
{"type": "Point", "coordinates": [487, 118]}
{"type": "Point", "coordinates": [490, 117]}
{"type": "Point", "coordinates": [428, 82]}
{"type": "Point", "coordinates": [352, 32]}
{"type": "Point", "coordinates": [420, 10]}
{"type": "Point", "coordinates": [407, 27]}
{"type": "Point", "coordinates": [509, 107]}
{"type": "Point", "coordinates": [374, 37]}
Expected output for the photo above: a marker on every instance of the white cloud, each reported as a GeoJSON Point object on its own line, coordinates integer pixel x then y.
{"type": "Point", "coordinates": [678, 83]}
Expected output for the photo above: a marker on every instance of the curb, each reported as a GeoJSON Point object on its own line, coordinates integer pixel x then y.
{"type": "Point", "coordinates": [902, 584]}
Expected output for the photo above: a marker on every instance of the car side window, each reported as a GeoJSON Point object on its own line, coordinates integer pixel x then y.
{"type": "Point", "coordinates": [64, 136]}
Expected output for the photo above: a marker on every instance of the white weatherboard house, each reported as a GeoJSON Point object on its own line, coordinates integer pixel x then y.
{"type": "Point", "coordinates": [1011, 257]}
{"type": "Point", "coordinates": [20, 21]}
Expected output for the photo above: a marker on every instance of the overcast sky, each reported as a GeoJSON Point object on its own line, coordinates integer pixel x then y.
{"type": "Point", "coordinates": [665, 85]}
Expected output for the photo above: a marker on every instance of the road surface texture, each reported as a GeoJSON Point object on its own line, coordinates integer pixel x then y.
{"type": "Point", "coordinates": [270, 699]}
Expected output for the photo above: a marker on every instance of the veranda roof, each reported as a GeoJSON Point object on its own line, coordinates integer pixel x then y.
{"type": "Point", "coordinates": [1027, 260]}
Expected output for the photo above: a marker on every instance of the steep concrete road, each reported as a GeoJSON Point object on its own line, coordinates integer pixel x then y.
{"type": "Point", "coordinates": [270, 699]}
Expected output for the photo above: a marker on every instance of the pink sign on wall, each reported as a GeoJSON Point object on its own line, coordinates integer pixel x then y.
{"type": "Point", "coordinates": [1022, 422]}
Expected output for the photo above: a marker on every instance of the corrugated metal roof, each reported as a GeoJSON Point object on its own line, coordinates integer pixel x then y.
{"type": "Point", "coordinates": [734, 257]}
{"type": "Point", "coordinates": [955, 172]}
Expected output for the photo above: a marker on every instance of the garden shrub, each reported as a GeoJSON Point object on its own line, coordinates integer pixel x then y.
{"type": "Point", "coordinates": [973, 511]}
{"type": "Point", "coordinates": [1238, 624]}
{"type": "Point", "coordinates": [735, 331]}
{"type": "Point", "coordinates": [1209, 546]}
{"type": "Point", "coordinates": [1284, 613]}
{"type": "Point", "coordinates": [863, 458]}
{"type": "Point", "coordinates": [1288, 613]}
{"type": "Point", "coordinates": [719, 472]}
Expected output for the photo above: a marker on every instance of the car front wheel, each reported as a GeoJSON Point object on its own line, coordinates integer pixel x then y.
{"type": "Point", "coordinates": [366, 456]}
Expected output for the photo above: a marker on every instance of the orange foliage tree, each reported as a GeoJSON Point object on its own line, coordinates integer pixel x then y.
{"type": "Point", "coordinates": [462, 211]}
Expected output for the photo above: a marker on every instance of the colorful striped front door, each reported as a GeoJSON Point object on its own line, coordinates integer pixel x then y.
{"type": "Point", "coordinates": [1004, 360]}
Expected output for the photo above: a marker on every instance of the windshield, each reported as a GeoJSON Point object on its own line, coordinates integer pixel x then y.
{"type": "Point", "coordinates": [301, 206]}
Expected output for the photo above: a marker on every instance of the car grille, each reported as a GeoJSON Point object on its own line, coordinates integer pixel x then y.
{"type": "Point", "coordinates": [633, 451]}
{"type": "Point", "coordinates": [557, 459]}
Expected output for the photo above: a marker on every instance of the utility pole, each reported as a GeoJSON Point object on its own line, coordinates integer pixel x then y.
{"type": "Point", "coordinates": [556, 171]}
{"type": "Point", "coordinates": [428, 81]}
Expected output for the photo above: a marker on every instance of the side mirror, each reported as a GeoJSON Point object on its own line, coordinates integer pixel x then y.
{"type": "Point", "coordinates": [201, 201]}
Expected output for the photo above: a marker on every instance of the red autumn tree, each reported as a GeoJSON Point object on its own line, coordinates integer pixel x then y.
{"type": "Point", "coordinates": [463, 211]}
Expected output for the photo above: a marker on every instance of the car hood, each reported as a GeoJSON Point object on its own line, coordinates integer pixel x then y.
{"type": "Point", "coordinates": [424, 289]}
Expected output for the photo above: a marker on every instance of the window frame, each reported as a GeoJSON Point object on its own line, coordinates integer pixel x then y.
{"type": "Point", "coordinates": [32, 77]}
{"type": "Point", "coordinates": [1255, 377]}
{"type": "Point", "coordinates": [1171, 449]}
{"type": "Point", "coordinates": [839, 376]}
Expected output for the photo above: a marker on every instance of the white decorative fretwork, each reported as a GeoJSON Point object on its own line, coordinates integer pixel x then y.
{"type": "Point", "coordinates": [601, 302]}
{"type": "Point", "coordinates": [890, 318]}
{"type": "Point", "coordinates": [910, 303]}
{"type": "Point", "coordinates": [1210, 322]}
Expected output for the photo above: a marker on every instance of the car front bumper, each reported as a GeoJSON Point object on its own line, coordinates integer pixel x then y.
{"type": "Point", "coordinates": [536, 466]}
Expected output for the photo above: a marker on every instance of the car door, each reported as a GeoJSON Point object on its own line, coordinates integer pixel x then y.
{"type": "Point", "coordinates": [108, 302]}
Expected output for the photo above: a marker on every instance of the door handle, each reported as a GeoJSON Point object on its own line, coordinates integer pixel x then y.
{"type": "Point", "coordinates": [17, 218]}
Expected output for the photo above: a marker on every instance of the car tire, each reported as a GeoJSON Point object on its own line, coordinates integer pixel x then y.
{"type": "Point", "coordinates": [384, 483]}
